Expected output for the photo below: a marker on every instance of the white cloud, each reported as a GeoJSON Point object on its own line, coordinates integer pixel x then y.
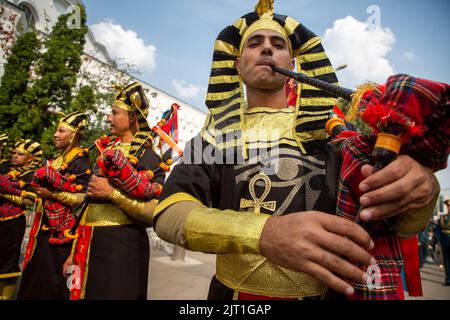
{"type": "Point", "coordinates": [409, 55]}
{"type": "Point", "coordinates": [187, 91]}
{"type": "Point", "coordinates": [126, 45]}
{"type": "Point", "coordinates": [351, 42]}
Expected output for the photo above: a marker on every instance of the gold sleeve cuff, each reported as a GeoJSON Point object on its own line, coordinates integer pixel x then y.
{"type": "Point", "coordinates": [415, 221]}
{"type": "Point", "coordinates": [224, 231]}
{"type": "Point", "coordinates": [175, 198]}
{"type": "Point", "coordinates": [137, 210]}
{"type": "Point", "coordinates": [14, 199]}
{"type": "Point", "coordinates": [73, 200]}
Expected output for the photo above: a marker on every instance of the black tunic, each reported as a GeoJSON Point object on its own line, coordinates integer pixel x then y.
{"type": "Point", "coordinates": [119, 255]}
{"type": "Point", "coordinates": [43, 277]}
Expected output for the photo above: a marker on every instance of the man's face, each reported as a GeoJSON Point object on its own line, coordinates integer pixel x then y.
{"type": "Point", "coordinates": [263, 49]}
{"type": "Point", "coordinates": [20, 159]}
{"type": "Point", "coordinates": [119, 121]}
{"type": "Point", "coordinates": [62, 137]}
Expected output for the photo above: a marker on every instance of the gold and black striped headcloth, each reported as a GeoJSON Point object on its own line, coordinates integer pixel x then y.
{"type": "Point", "coordinates": [132, 98]}
{"type": "Point", "coordinates": [225, 97]}
{"type": "Point", "coordinates": [76, 121]}
{"type": "Point", "coordinates": [33, 148]}
{"type": "Point", "coordinates": [3, 140]}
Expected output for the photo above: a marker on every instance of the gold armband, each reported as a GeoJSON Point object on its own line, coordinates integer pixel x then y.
{"type": "Point", "coordinates": [137, 210]}
{"type": "Point", "coordinates": [14, 199]}
{"type": "Point", "coordinates": [224, 231]}
{"type": "Point", "coordinates": [71, 199]}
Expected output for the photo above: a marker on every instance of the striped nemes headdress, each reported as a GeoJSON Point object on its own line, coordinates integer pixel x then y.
{"type": "Point", "coordinates": [225, 98]}
{"type": "Point", "coordinates": [132, 98]}
{"type": "Point", "coordinates": [3, 140]}
{"type": "Point", "coordinates": [76, 122]}
{"type": "Point", "coordinates": [32, 148]}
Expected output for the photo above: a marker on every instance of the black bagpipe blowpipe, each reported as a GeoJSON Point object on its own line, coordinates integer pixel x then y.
{"type": "Point", "coordinates": [334, 90]}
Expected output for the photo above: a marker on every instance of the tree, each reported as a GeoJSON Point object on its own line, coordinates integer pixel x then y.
{"type": "Point", "coordinates": [15, 82]}
{"type": "Point", "coordinates": [56, 77]}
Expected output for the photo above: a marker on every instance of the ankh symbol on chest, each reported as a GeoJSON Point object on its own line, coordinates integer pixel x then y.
{"type": "Point", "coordinates": [256, 202]}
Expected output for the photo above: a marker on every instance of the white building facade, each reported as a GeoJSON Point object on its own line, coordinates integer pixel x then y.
{"type": "Point", "coordinates": [42, 15]}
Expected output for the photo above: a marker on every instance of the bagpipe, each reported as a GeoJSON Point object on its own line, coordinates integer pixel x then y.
{"type": "Point", "coordinates": [55, 179]}
{"type": "Point", "coordinates": [398, 112]}
{"type": "Point", "coordinates": [122, 171]}
{"type": "Point", "coordinates": [9, 184]}
{"type": "Point", "coordinates": [408, 116]}
{"type": "Point", "coordinates": [60, 216]}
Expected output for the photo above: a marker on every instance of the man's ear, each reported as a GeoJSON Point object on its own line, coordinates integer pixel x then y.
{"type": "Point", "coordinates": [29, 161]}
{"type": "Point", "coordinates": [132, 116]}
{"type": "Point", "coordinates": [292, 66]}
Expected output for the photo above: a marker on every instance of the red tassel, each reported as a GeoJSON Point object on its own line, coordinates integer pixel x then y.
{"type": "Point", "coordinates": [410, 252]}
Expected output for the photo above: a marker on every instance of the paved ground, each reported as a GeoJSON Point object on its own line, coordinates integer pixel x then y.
{"type": "Point", "coordinates": [432, 279]}
{"type": "Point", "coordinates": [189, 279]}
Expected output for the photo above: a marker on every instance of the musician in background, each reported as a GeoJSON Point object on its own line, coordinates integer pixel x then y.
{"type": "Point", "coordinates": [444, 229]}
{"type": "Point", "coordinates": [16, 201]}
{"type": "Point", "coordinates": [61, 184]}
{"type": "Point", "coordinates": [271, 217]}
{"type": "Point", "coordinates": [112, 251]}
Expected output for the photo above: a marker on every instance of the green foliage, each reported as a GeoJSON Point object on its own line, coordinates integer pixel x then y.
{"type": "Point", "coordinates": [57, 75]}
{"type": "Point", "coordinates": [32, 113]}
{"type": "Point", "coordinates": [15, 83]}
{"type": "Point", "coordinates": [30, 108]}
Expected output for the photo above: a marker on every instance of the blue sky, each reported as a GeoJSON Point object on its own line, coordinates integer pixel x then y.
{"type": "Point", "coordinates": [174, 39]}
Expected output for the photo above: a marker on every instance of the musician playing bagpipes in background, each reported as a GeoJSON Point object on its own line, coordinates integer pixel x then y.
{"type": "Point", "coordinates": [112, 248]}
{"type": "Point", "coordinates": [271, 217]}
{"type": "Point", "coordinates": [16, 200]}
{"type": "Point", "coordinates": [4, 163]}
{"type": "Point", "coordinates": [60, 184]}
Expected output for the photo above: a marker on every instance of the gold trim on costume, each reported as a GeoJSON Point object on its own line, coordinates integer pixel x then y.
{"type": "Point", "coordinates": [312, 57]}
{"type": "Point", "coordinates": [309, 44]}
{"type": "Point", "coordinates": [86, 268]}
{"type": "Point", "coordinates": [105, 215]}
{"type": "Point", "coordinates": [10, 275]}
{"type": "Point", "coordinates": [264, 24]}
{"type": "Point", "coordinates": [71, 199]}
{"type": "Point", "coordinates": [13, 217]}
{"type": "Point", "coordinates": [122, 105]}
{"type": "Point", "coordinates": [256, 202]}
{"type": "Point", "coordinates": [224, 64]}
{"type": "Point", "coordinates": [222, 95]}
{"type": "Point", "coordinates": [224, 79]}
{"type": "Point", "coordinates": [21, 149]}
{"type": "Point", "coordinates": [255, 274]}
{"type": "Point", "coordinates": [319, 71]}
{"type": "Point", "coordinates": [66, 158]}
{"type": "Point", "coordinates": [224, 231]}
{"type": "Point", "coordinates": [177, 197]}
{"type": "Point", "coordinates": [138, 210]}
{"type": "Point", "coordinates": [68, 126]}
{"type": "Point", "coordinates": [225, 47]}
{"type": "Point", "coordinates": [290, 25]}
